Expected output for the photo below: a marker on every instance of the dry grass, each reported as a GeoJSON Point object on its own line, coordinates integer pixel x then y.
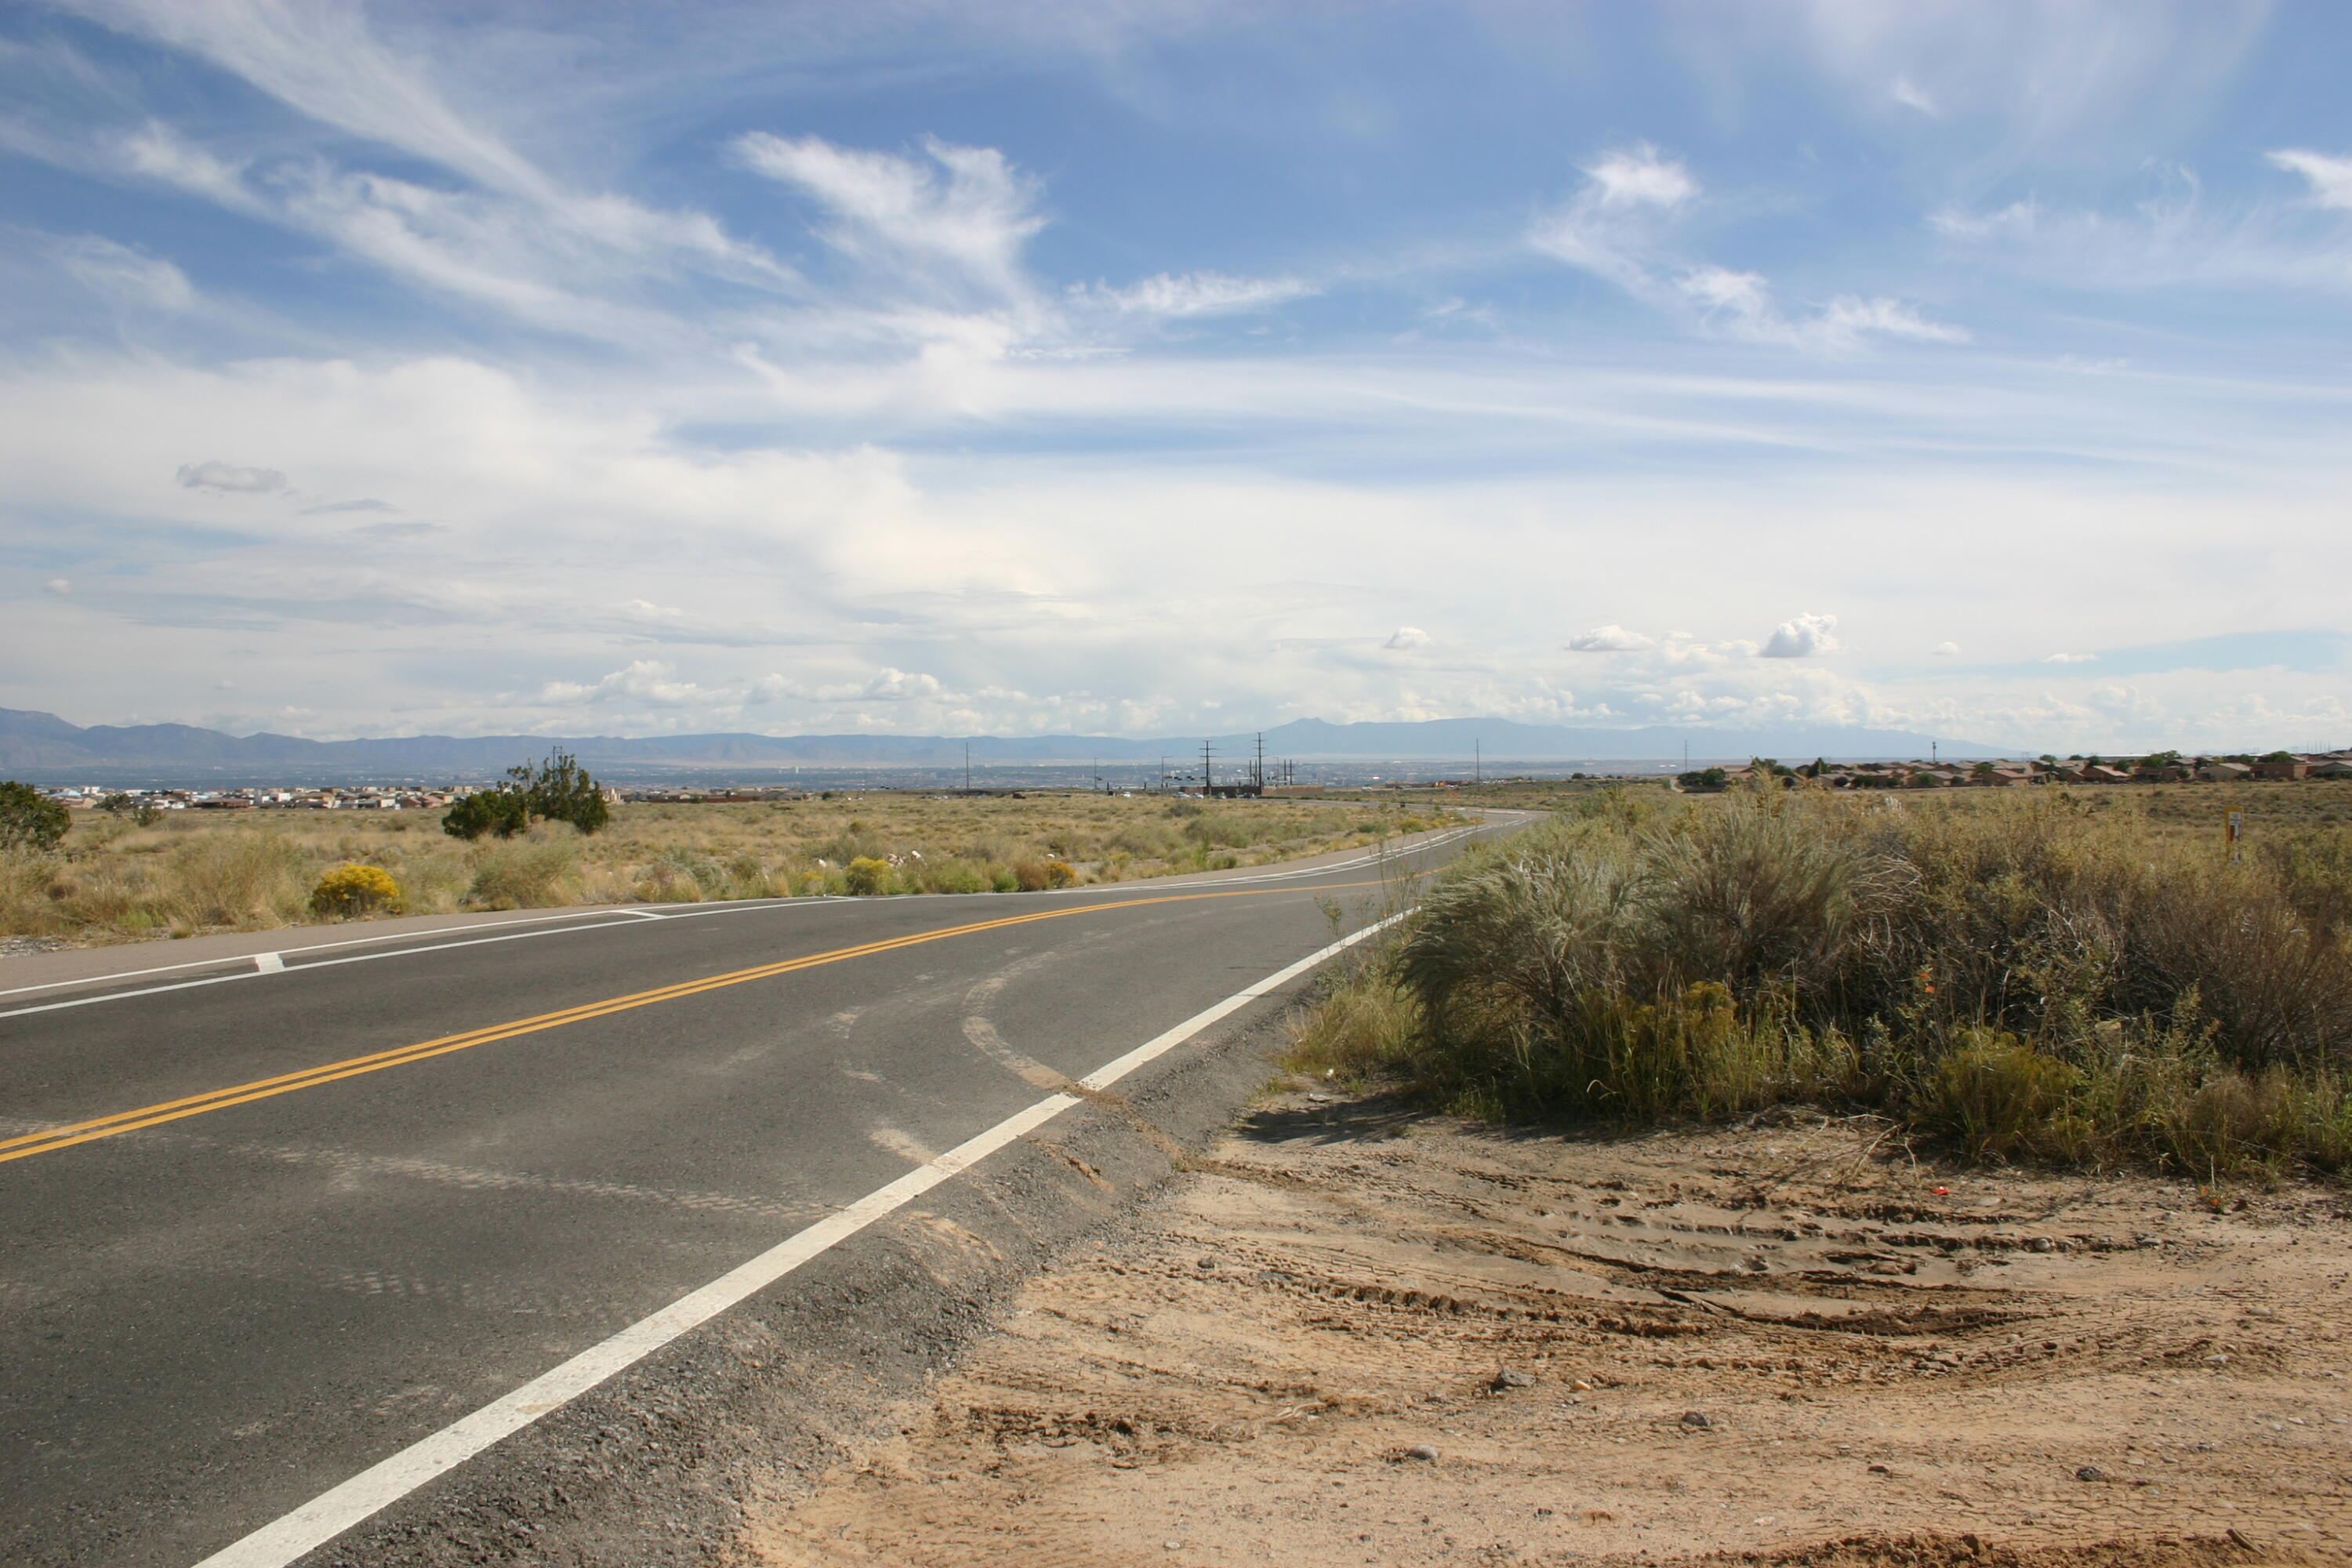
{"type": "Point", "coordinates": [252, 870]}
{"type": "Point", "coordinates": [2048, 973]}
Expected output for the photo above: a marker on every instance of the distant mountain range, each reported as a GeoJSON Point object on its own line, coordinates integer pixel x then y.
{"type": "Point", "coordinates": [44, 748]}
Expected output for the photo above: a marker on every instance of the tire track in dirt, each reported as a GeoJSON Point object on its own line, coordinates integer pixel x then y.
{"type": "Point", "coordinates": [1787, 1343]}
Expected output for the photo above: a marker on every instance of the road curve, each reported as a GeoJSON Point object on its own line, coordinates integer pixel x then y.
{"type": "Point", "coordinates": [269, 1223]}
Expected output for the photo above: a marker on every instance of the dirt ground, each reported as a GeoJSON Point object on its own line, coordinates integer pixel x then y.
{"type": "Point", "coordinates": [1358, 1334]}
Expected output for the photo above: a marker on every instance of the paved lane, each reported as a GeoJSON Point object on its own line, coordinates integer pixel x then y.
{"type": "Point", "coordinates": [213, 1309]}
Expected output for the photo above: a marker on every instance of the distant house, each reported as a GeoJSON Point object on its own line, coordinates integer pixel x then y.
{"type": "Point", "coordinates": [2334, 770]}
{"type": "Point", "coordinates": [2223, 772]}
{"type": "Point", "coordinates": [2293, 768]}
{"type": "Point", "coordinates": [2099, 773]}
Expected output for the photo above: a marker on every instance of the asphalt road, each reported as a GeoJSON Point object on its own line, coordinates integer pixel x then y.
{"type": "Point", "coordinates": [300, 1219]}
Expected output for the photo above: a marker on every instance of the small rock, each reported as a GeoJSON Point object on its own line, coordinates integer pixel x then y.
{"type": "Point", "coordinates": [1880, 1470]}
{"type": "Point", "coordinates": [1422, 1451]}
{"type": "Point", "coordinates": [1510, 1377]}
{"type": "Point", "coordinates": [2043, 1244]}
{"type": "Point", "coordinates": [1581, 1386]}
{"type": "Point", "coordinates": [1172, 1546]}
{"type": "Point", "coordinates": [1206, 1263]}
{"type": "Point", "coordinates": [2090, 1473]}
{"type": "Point", "coordinates": [1695, 1418]}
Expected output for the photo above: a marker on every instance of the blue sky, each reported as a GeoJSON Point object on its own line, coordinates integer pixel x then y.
{"type": "Point", "coordinates": [1140, 367]}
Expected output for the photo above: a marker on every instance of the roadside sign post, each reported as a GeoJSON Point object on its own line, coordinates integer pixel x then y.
{"type": "Point", "coordinates": [2233, 832]}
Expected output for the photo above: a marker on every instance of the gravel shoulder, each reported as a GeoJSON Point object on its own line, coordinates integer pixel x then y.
{"type": "Point", "coordinates": [1353, 1333]}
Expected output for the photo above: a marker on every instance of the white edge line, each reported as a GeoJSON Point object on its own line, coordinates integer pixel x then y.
{"type": "Point", "coordinates": [736, 907]}
{"type": "Point", "coordinates": [323, 946]}
{"type": "Point", "coordinates": [328, 1515]}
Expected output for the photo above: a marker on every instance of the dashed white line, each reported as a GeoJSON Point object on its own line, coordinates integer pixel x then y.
{"type": "Point", "coordinates": [328, 1515]}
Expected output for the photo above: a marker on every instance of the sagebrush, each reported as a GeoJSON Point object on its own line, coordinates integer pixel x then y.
{"type": "Point", "coordinates": [2034, 974]}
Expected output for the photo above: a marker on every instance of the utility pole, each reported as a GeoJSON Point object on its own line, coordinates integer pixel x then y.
{"type": "Point", "coordinates": [1259, 772]}
{"type": "Point", "coordinates": [967, 767]}
{"type": "Point", "coordinates": [1477, 762]}
{"type": "Point", "coordinates": [1208, 771]}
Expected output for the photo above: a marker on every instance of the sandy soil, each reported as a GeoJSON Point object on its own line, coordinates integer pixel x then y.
{"type": "Point", "coordinates": [1361, 1335]}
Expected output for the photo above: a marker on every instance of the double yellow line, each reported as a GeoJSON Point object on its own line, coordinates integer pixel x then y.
{"type": "Point", "coordinates": [352, 1067]}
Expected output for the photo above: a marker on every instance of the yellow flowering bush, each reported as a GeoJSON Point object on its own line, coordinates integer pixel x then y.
{"type": "Point", "coordinates": [354, 889]}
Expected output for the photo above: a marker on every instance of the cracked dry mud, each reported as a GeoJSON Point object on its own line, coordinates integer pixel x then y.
{"type": "Point", "coordinates": [1779, 1344]}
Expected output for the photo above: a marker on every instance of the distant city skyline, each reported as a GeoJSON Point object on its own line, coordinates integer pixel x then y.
{"type": "Point", "coordinates": [916, 368]}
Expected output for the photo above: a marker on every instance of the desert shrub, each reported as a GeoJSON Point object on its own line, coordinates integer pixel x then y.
{"type": "Point", "coordinates": [1222, 830]}
{"type": "Point", "coordinates": [29, 819]}
{"type": "Point", "coordinates": [351, 891]}
{"type": "Point", "coordinates": [869, 876]}
{"type": "Point", "coordinates": [856, 842]}
{"type": "Point", "coordinates": [1997, 1095]}
{"type": "Point", "coordinates": [958, 876]}
{"type": "Point", "coordinates": [677, 877]}
{"type": "Point", "coordinates": [1366, 1022]}
{"type": "Point", "coordinates": [1031, 876]}
{"type": "Point", "coordinates": [1150, 840]}
{"type": "Point", "coordinates": [1060, 874]}
{"type": "Point", "coordinates": [2029, 978]}
{"type": "Point", "coordinates": [522, 874]}
{"type": "Point", "coordinates": [234, 878]}
{"type": "Point", "coordinates": [2314, 865]}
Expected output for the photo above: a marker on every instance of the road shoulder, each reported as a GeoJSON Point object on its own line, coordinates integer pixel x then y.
{"type": "Point", "coordinates": [1354, 1333]}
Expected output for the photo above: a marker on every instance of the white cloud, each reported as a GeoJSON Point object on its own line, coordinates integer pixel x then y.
{"type": "Point", "coordinates": [56, 586]}
{"type": "Point", "coordinates": [229, 478]}
{"type": "Point", "coordinates": [957, 216]}
{"type": "Point", "coordinates": [2068, 658]}
{"type": "Point", "coordinates": [121, 273]}
{"type": "Point", "coordinates": [642, 683]}
{"type": "Point", "coordinates": [1609, 639]}
{"type": "Point", "coordinates": [1198, 294]}
{"type": "Point", "coordinates": [1911, 94]}
{"type": "Point", "coordinates": [1622, 226]}
{"type": "Point", "coordinates": [1802, 637]}
{"type": "Point", "coordinates": [1946, 651]}
{"type": "Point", "coordinates": [2330, 177]}
{"type": "Point", "coordinates": [899, 686]}
{"type": "Point", "coordinates": [1641, 175]}
{"type": "Point", "coordinates": [1848, 317]}
{"type": "Point", "coordinates": [1408, 637]}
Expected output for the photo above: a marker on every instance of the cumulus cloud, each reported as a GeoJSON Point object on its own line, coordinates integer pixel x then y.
{"type": "Point", "coordinates": [56, 586]}
{"type": "Point", "coordinates": [899, 686]}
{"type": "Point", "coordinates": [645, 683]}
{"type": "Point", "coordinates": [231, 478]}
{"type": "Point", "coordinates": [1609, 639]}
{"type": "Point", "coordinates": [1408, 637]}
{"type": "Point", "coordinates": [2330, 178]}
{"type": "Point", "coordinates": [2068, 658]}
{"type": "Point", "coordinates": [1802, 637]}
{"type": "Point", "coordinates": [330, 507]}
{"type": "Point", "coordinates": [1946, 651]}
